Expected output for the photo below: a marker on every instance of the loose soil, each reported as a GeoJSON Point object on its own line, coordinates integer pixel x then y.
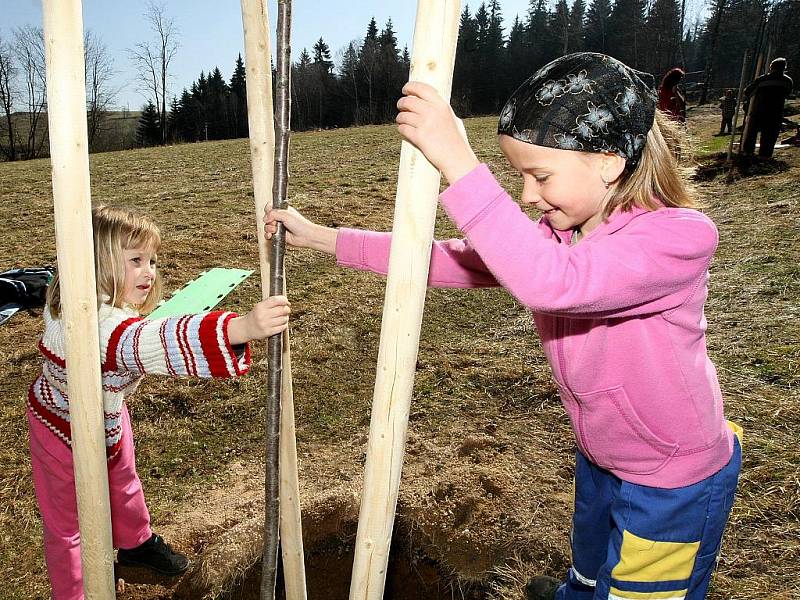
{"type": "Point", "coordinates": [485, 498]}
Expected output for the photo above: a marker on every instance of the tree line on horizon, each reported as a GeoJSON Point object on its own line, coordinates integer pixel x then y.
{"type": "Point", "coordinates": [491, 61]}
{"type": "Point", "coordinates": [364, 82]}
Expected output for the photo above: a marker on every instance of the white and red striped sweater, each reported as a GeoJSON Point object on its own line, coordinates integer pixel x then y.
{"type": "Point", "coordinates": [130, 347]}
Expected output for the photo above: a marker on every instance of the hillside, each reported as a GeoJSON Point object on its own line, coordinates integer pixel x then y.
{"type": "Point", "coordinates": [486, 492]}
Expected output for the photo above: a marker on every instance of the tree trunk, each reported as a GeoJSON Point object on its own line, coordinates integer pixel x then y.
{"type": "Point", "coordinates": [710, 56]}
{"type": "Point", "coordinates": [269, 563]}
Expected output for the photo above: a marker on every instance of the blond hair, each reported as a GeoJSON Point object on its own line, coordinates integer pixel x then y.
{"type": "Point", "coordinates": [115, 230]}
{"type": "Point", "coordinates": [656, 181]}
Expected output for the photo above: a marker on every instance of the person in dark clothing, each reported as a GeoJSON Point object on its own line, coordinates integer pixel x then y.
{"type": "Point", "coordinates": [727, 105]}
{"type": "Point", "coordinates": [670, 99]}
{"type": "Point", "coordinates": [767, 95]}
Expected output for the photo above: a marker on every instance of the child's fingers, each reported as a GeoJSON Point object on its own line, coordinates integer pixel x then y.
{"type": "Point", "coordinates": [408, 133]}
{"type": "Point", "coordinates": [270, 229]}
{"type": "Point", "coordinates": [423, 90]}
{"type": "Point", "coordinates": [279, 300]}
{"type": "Point", "coordinates": [408, 118]}
{"type": "Point", "coordinates": [410, 104]}
{"type": "Point", "coordinates": [278, 324]}
{"type": "Point", "coordinates": [274, 214]}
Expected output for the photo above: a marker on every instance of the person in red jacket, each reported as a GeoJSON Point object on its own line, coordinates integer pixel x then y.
{"type": "Point", "coordinates": [671, 100]}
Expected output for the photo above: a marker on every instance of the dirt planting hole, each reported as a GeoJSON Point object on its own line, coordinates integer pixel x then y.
{"type": "Point", "coordinates": [739, 167]}
{"type": "Point", "coordinates": [411, 574]}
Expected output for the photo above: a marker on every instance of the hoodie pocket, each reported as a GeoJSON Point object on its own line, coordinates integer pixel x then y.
{"type": "Point", "coordinates": [615, 436]}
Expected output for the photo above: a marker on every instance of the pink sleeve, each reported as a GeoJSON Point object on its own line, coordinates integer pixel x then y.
{"type": "Point", "coordinates": [652, 264]}
{"type": "Point", "coordinates": [454, 263]}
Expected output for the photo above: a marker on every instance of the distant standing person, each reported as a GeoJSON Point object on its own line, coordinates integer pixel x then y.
{"type": "Point", "coordinates": [767, 95]}
{"type": "Point", "coordinates": [727, 105]}
{"type": "Point", "coordinates": [671, 100]}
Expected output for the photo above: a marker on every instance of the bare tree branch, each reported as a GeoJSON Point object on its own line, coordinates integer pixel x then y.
{"type": "Point", "coordinates": [8, 75]}
{"type": "Point", "coordinates": [153, 60]}
{"type": "Point", "coordinates": [99, 94]}
{"type": "Point", "coordinates": [142, 56]}
{"type": "Point", "coordinates": [29, 51]}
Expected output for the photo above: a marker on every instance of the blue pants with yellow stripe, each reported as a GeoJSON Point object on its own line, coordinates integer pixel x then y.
{"type": "Point", "coordinates": [634, 542]}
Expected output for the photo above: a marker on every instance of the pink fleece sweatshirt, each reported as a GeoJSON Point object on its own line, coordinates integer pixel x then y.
{"type": "Point", "coordinates": [620, 317]}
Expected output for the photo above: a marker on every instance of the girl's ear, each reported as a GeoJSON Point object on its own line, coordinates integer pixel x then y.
{"type": "Point", "coordinates": [611, 166]}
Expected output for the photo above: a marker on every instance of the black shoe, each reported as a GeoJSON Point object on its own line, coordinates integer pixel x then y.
{"type": "Point", "coordinates": [542, 587]}
{"type": "Point", "coordinates": [155, 554]}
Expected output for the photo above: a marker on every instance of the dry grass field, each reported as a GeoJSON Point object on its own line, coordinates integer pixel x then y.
{"type": "Point", "coordinates": [485, 497]}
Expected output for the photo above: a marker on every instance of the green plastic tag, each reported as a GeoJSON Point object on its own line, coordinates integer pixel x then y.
{"type": "Point", "coordinates": [202, 294]}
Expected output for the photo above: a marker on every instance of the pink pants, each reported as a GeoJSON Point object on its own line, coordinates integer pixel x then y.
{"type": "Point", "coordinates": [54, 482]}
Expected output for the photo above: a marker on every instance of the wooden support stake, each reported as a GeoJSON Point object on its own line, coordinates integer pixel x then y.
{"type": "Point", "coordinates": [745, 66]}
{"type": "Point", "coordinates": [66, 101]}
{"type": "Point", "coordinates": [434, 47]}
{"type": "Point", "coordinates": [255, 20]}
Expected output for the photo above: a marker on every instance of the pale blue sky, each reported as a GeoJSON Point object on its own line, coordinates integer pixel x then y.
{"type": "Point", "coordinates": [211, 31]}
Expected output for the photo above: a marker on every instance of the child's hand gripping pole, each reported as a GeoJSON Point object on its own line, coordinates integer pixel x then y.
{"type": "Point", "coordinates": [429, 123]}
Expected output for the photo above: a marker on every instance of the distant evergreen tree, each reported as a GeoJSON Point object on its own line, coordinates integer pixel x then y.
{"type": "Point", "coordinates": [595, 37]}
{"type": "Point", "coordinates": [542, 40]}
{"type": "Point", "coordinates": [495, 55]}
{"type": "Point", "coordinates": [217, 107]}
{"type": "Point", "coordinates": [368, 65]}
{"type": "Point", "coordinates": [626, 33]}
{"type": "Point", "coordinates": [783, 28]}
{"type": "Point", "coordinates": [238, 99]}
{"type": "Point", "coordinates": [322, 82]}
{"type": "Point", "coordinates": [349, 80]}
{"type": "Point", "coordinates": [200, 101]}
{"type": "Point", "coordinates": [148, 130]}
{"type": "Point", "coordinates": [744, 27]}
{"type": "Point", "coordinates": [390, 73]}
{"type": "Point", "coordinates": [559, 23]}
{"type": "Point", "coordinates": [186, 122]}
{"type": "Point", "coordinates": [464, 73]}
{"type": "Point", "coordinates": [172, 120]}
{"type": "Point", "coordinates": [713, 25]}
{"type": "Point", "coordinates": [516, 58]}
{"type": "Point", "coordinates": [405, 61]}
{"type": "Point", "coordinates": [303, 81]}
{"type": "Point", "coordinates": [575, 26]}
{"type": "Point", "coordinates": [663, 35]}
{"type": "Point", "coordinates": [692, 49]}
{"type": "Point", "coordinates": [482, 85]}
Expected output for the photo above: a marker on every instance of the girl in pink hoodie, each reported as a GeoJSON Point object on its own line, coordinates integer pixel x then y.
{"type": "Point", "coordinates": [615, 275]}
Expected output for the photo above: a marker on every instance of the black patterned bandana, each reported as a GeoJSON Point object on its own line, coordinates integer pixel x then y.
{"type": "Point", "coordinates": [585, 101]}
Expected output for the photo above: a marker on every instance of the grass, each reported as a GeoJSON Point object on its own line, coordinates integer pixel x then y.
{"type": "Point", "coordinates": [489, 464]}
{"type": "Point", "coordinates": [713, 145]}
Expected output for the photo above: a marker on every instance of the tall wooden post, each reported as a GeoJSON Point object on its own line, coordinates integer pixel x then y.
{"type": "Point", "coordinates": [434, 47]}
{"type": "Point", "coordinates": [739, 100]}
{"type": "Point", "coordinates": [255, 20]}
{"type": "Point", "coordinates": [66, 102]}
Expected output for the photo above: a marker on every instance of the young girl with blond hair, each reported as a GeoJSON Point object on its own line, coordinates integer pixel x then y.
{"type": "Point", "coordinates": [615, 274]}
{"type": "Point", "coordinates": [212, 344]}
